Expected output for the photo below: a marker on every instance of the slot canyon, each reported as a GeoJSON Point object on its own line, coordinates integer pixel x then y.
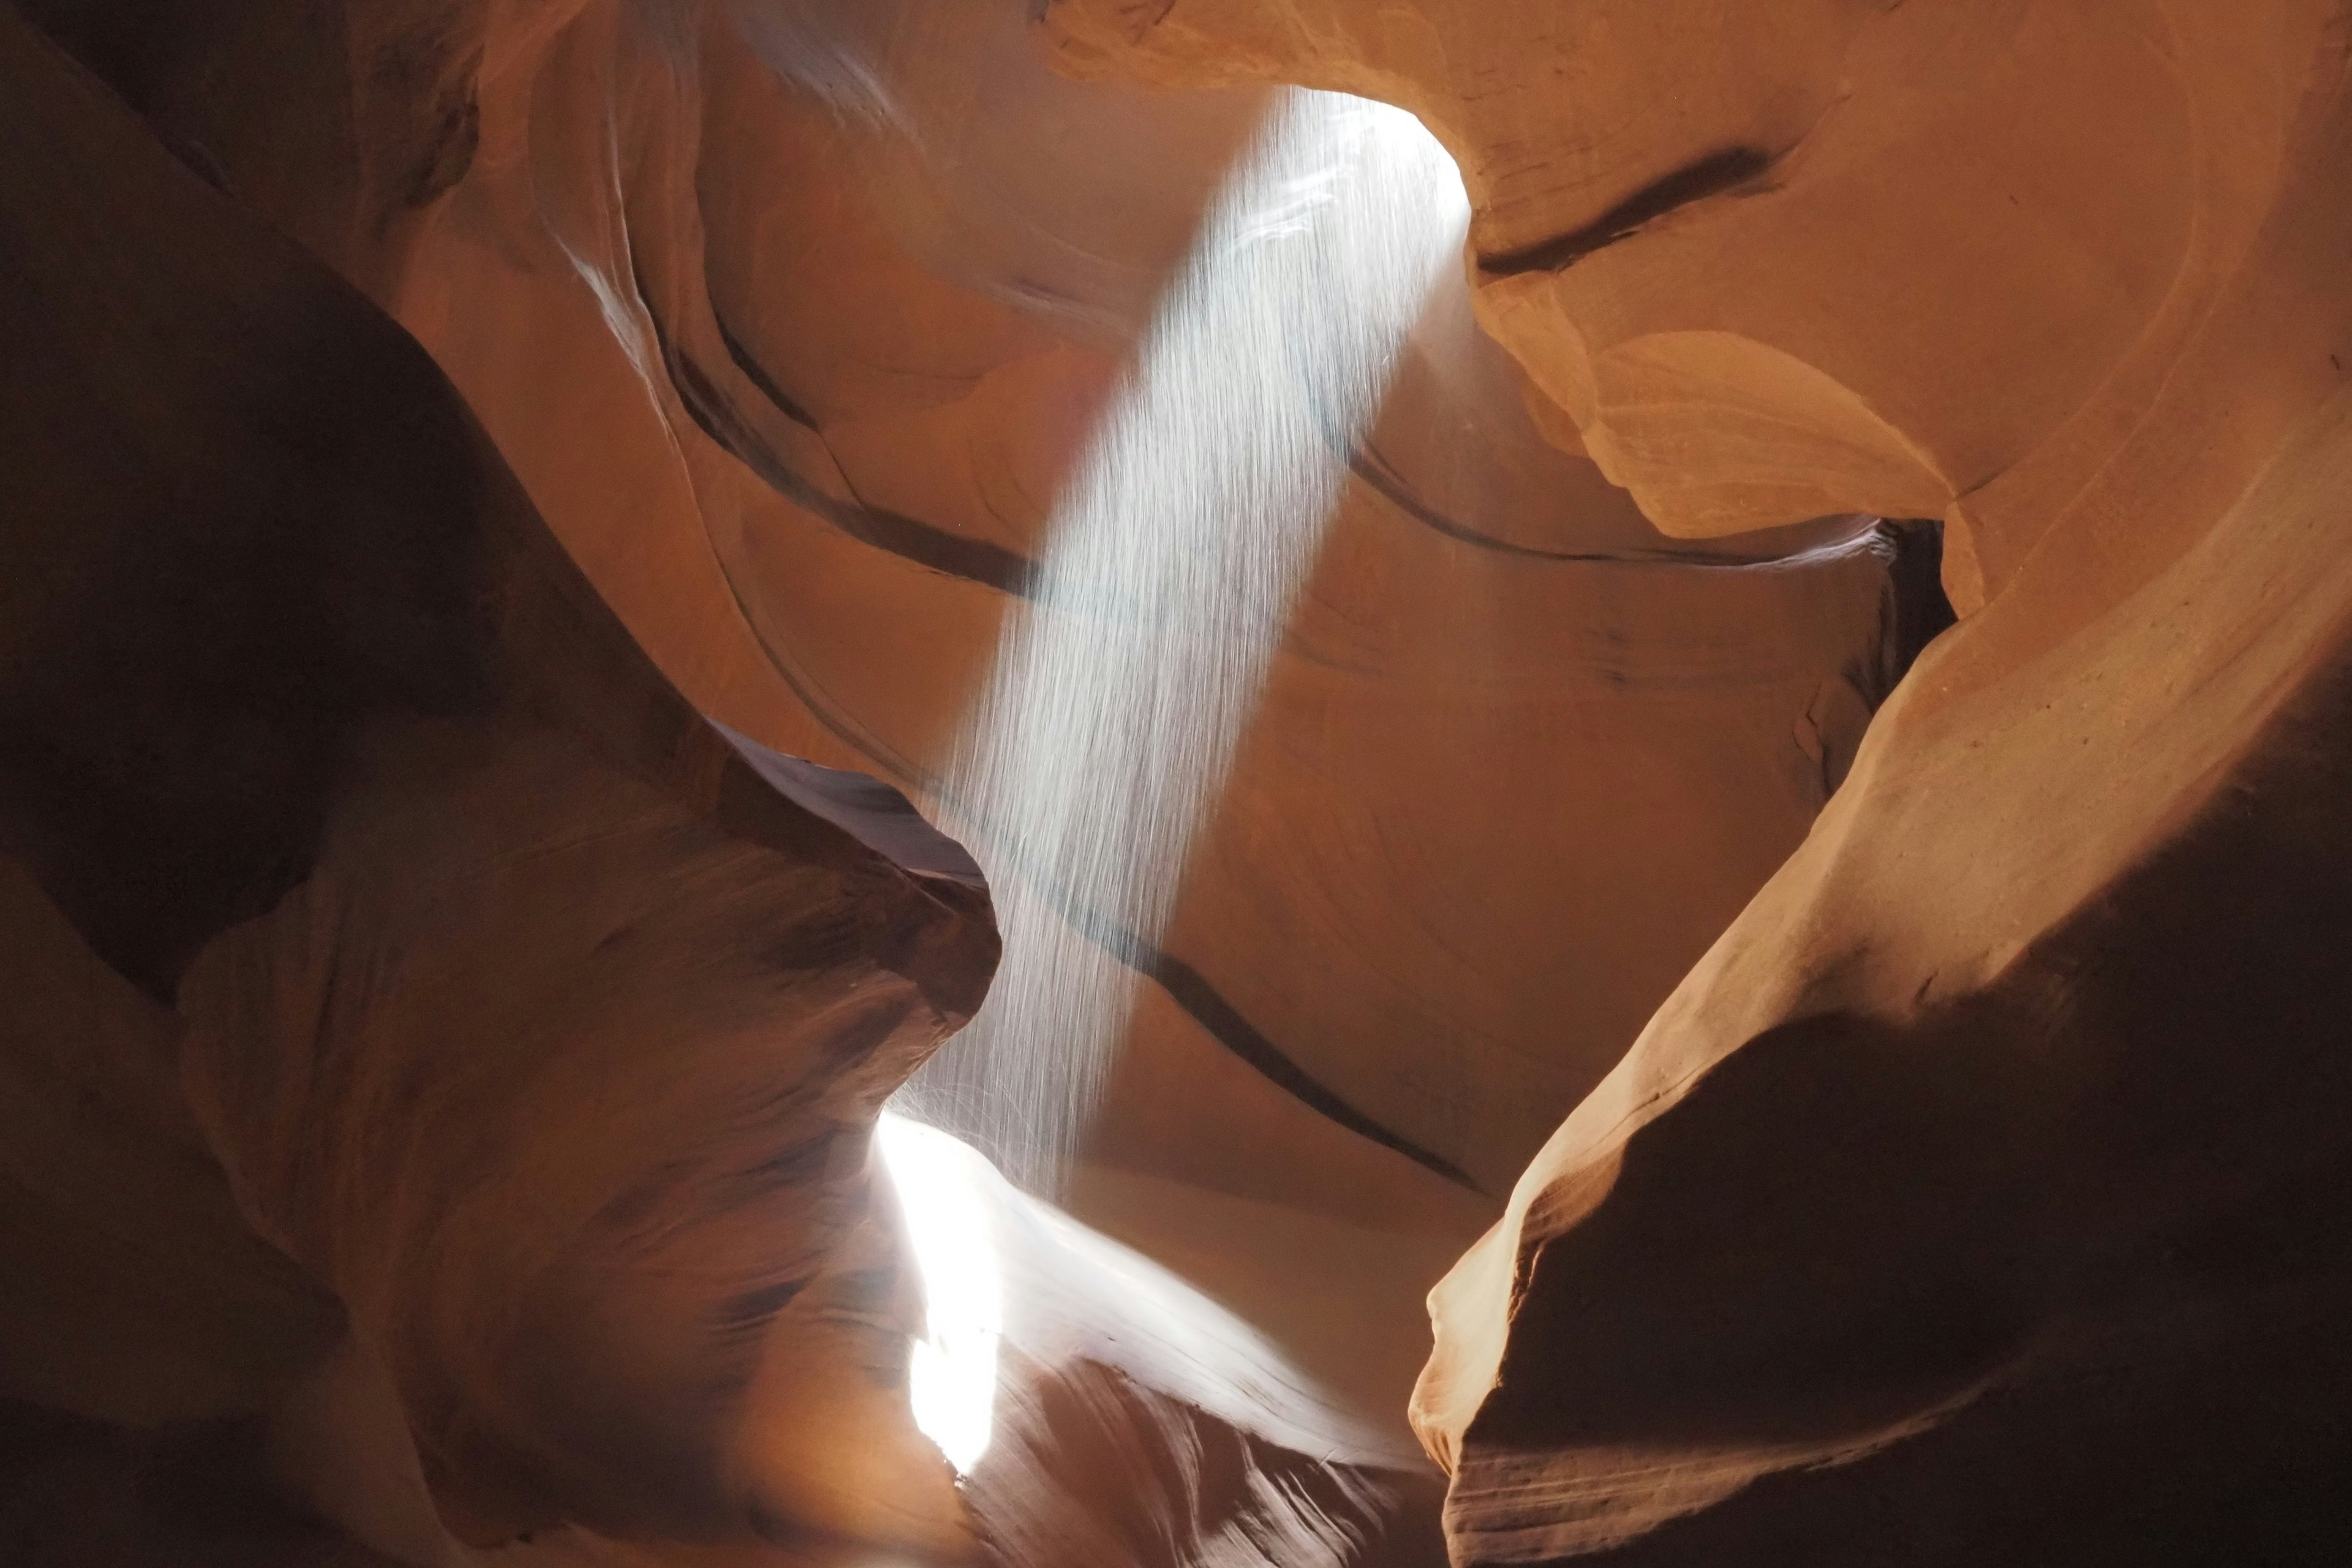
{"type": "Point", "coordinates": [1175, 784]}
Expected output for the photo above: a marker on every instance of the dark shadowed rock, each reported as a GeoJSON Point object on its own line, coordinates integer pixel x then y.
{"type": "Point", "coordinates": [522, 1013]}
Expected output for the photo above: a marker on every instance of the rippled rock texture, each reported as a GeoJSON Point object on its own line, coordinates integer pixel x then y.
{"type": "Point", "coordinates": [1627, 744]}
{"type": "Point", "coordinates": [791, 321]}
{"type": "Point", "coordinates": [440, 1063]}
{"type": "Point", "coordinates": [792, 318]}
{"type": "Point", "coordinates": [1976, 1196]}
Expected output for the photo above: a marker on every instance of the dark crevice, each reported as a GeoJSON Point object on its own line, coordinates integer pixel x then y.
{"type": "Point", "coordinates": [1392, 487]}
{"type": "Point", "coordinates": [757, 375]}
{"type": "Point", "coordinates": [1922, 610]}
{"type": "Point", "coordinates": [1191, 990]}
{"type": "Point", "coordinates": [1207, 1006]}
{"type": "Point", "coordinates": [911, 539]}
{"type": "Point", "coordinates": [1915, 610]}
{"type": "Point", "coordinates": [1912, 611]}
{"type": "Point", "coordinates": [1714, 174]}
{"type": "Point", "coordinates": [198, 157]}
{"type": "Point", "coordinates": [1380, 476]}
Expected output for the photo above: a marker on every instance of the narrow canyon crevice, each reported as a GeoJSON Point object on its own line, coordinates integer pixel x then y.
{"type": "Point", "coordinates": [1230, 783]}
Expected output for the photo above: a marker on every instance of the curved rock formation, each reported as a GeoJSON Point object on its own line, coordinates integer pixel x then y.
{"type": "Point", "coordinates": [541, 1023]}
{"type": "Point", "coordinates": [521, 1012]}
{"type": "Point", "coordinates": [2045, 260]}
{"type": "Point", "coordinates": [1973, 1198]}
{"type": "Point", "coordinates": [661, 327]}
{"type": "Point", "coordinates": [793, 320]}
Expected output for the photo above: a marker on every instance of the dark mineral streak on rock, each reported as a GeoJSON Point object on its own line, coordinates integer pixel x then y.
{"type": "Point", "coordinates": [974, 560]}
{"type": "Point", "coordinates": [1732, 169]}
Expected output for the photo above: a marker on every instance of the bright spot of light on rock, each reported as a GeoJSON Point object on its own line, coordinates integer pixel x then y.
{"type": "Point", "coordinates": [952, 1372]}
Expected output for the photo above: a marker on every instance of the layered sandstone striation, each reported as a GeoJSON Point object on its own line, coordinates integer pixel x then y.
{"type": "Point", "coordinates": [1970, 1197]}
{"type": "Point", "coordinates": [793, 321]}
{"type": "Point", "coordinates": [1887, 192]}
{"type": "Point", "coordinates": [447, 1061]}
{"type": "Point", "coordinates": [1973, 1198]}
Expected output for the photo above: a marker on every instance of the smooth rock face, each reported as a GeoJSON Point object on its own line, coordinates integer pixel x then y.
{"type": "Point", "coordinates": [1516, 763]}
{"type": "Point", "coordinates": [793, 321]}
{"type": "Point", "coordinates": [1975, 1197]}
{"type": "Point", "coordinates": [1890, 187]}
{"type": "Point", "coordinates": [541, 1023]}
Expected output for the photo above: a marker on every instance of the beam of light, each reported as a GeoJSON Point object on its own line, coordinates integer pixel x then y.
{"type": "Point", "coordinates": [951, 1369]}
{"type": "Point", "coordinates": [998, 1266]}
{"type": "Point", "coordinates": [1110, 719]}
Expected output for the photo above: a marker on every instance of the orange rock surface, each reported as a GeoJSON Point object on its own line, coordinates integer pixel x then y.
{"type": "Point", "coordinates": [1967, 1199]}
{"type": "Point", "coordinates": [792, 322]}
{"type": "Point", "coordinates": [1968, 1194]}
{"type": "Point", "coordinates": [520, 1011]}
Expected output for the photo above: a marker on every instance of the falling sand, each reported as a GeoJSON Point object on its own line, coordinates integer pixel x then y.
{"type": "Point", "coordinates": [1108, 726]}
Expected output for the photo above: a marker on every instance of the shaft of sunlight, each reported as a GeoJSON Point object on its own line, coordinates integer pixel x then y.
{"type": "Point", "coordinates": [951, 1369]}
{"type": "Point", "coordinates": [1106, 731]}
